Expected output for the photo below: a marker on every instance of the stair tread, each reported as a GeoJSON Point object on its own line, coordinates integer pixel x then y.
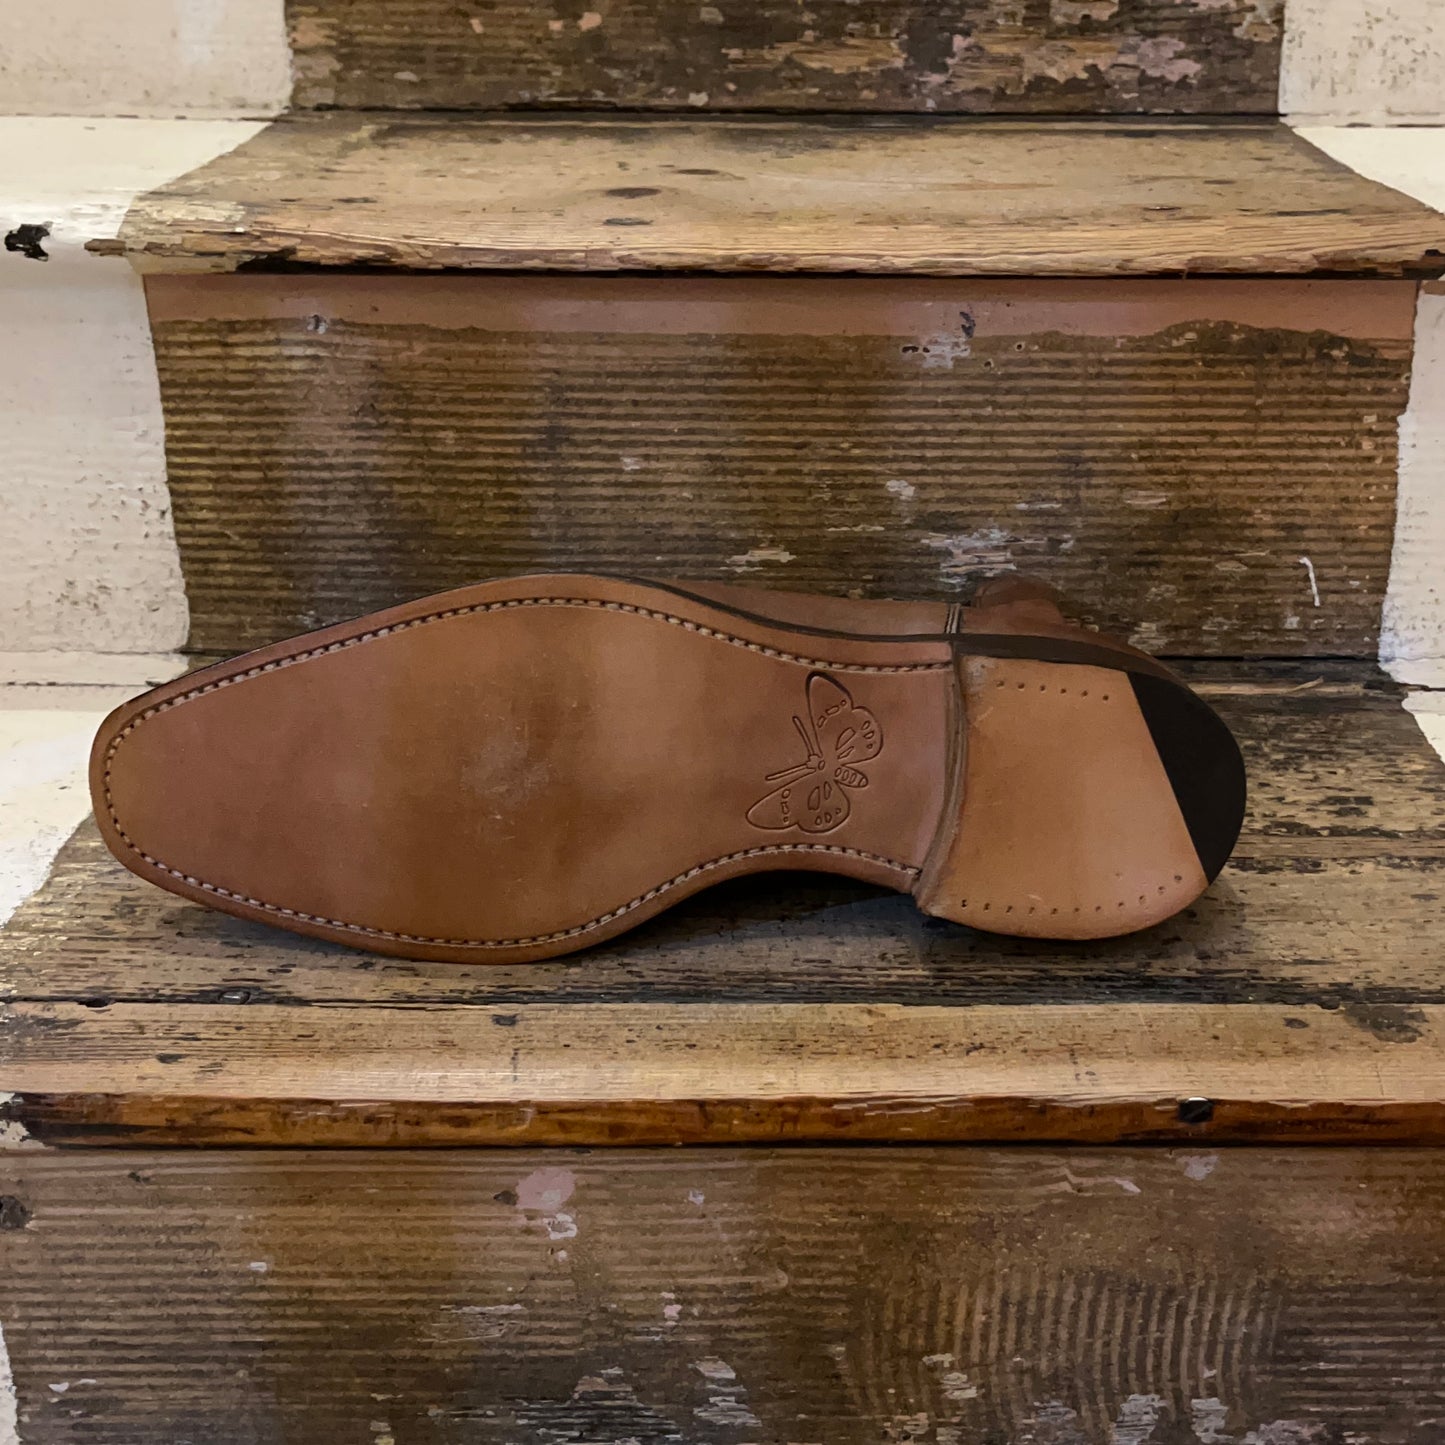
{"type": "Point", "coordinates": [1302, 994]}
{"type": "Point", "coordinates": [898, 196]}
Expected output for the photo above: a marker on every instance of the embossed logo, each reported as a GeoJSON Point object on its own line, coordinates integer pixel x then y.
{"type": "Point", "coordinates": [812, 795]}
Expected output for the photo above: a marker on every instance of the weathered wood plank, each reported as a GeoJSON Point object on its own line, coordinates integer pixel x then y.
{"type": "Point", "coordinates": [1302, 996]}
{"type": "Point", "coordinates": [1001, 56]}
{"type": "Point", "coordinates": [922, 197]}
{"type": "Point", "coordinates": [1181, 460]}
{"type": "Point", "coordinates": [609, 1074]}
{"type": "Point", "coordinates": [1013, 1296]}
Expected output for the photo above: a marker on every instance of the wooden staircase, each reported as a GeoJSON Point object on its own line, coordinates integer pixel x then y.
{"type": "Point", "coordinates": [863, 305]}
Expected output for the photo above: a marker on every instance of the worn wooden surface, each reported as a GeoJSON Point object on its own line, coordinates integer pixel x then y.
{"type": "Point", "coordinates": [1206, 467]}
{"type": "Point", "coordinates": [1018, 1297]}
{"type": "Point", "coordinates": [926, 196]}
{"type": "Point", "coordinates": [1049, 56]}
{"type": "Point", "coordinates": [1303, 996]}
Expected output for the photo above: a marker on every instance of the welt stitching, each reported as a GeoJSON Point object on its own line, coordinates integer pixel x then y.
{"type": "Point", "coordinates": [482, 607]}
{"type": "Point", "coordinates": [560, 933]}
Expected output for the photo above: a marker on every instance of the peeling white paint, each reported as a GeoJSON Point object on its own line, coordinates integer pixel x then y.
{"type": "Point", "coordinates": [1289, 1432]}
{"type": "Point", "coordinates": [88, 558]}
{"type": "Point", "coordinates": [727, 1399]}
{"type": "Point", "coordinates": [560, 1225]}
{"type": "Point", "coordinates": [1199, 1166]}
{"type": "Point", "coordinates": [1137, 1417]}
{"type": "Point", "coordinates": [14, 1136]}
{"type": "Point", "coordinates": [751, 560]}
{"type": "Point", "coordinates": [964, 553]}
{"type": "Point", "coordinates": [162, 58]}
{"type": "Point", "coordinates": [904, 491]}
{"type": "Point", "coordinates": [9, 1409]}
{"type": "Point", "coordinates": [546, 1190]}
{"type": "Point", "coordinates": [1209, 1418]}
{"type": "Point", "coordinates": [1365, 62]}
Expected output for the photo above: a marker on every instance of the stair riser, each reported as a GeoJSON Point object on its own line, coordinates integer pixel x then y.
{"type": "Point", "coordinates": [1167, 453]}
{"type": "Point", "coordinates": [999, 56]}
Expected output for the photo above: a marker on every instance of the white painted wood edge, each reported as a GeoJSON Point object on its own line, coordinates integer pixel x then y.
{"type": "Point", "coordinates": [1412, 627]}
{"type": "Point", "coordinates": [162, 58]}
{"type": "Point", "coordinates": [88, 558]}
{"type": "Point", "coordinates": [42, 674]}
{"type": "Point", "coordinates": [9, 1407]}
{"type": "Point", "coordinates": [1363, 62]}
{"type": "Point", "coordinates": [1428, 709]}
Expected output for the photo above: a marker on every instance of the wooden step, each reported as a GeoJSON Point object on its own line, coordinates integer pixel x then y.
{"type": "Point", "coordinates": [1301, 999]}
{"type": "Point", "coordinates": [896, 196]}
{"type": "Point", "coordinates": [1208, 467]}
{"type": "Point", "coordinates": [1052, 56]}
{"type": "Point", "coordinates": [957, 1296]}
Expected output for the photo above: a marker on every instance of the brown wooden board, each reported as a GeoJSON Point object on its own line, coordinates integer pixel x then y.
{"type": "Point", "coordinates": [1303, 997]}
{"type": "Point", "coordinates": [927, 196]}
{"type": "Point", "coordinates": [947, 1297]}
{"type": "Point", "coordinates": [1207, 467]}
{"type": "Point", "coordinates": [1001, 56]}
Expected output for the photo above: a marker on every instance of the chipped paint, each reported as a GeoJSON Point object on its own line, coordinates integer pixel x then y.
{"type": "Point", "coordinates": [560, 1225]}
{"type": "Point", "coordinates": [13, 1134]}
{"type": "Point", "coordinates": [1060, 1425]}
{"type": "Point", "coordinates": [1199, 1166]}
{"type": "Point", "coordinates": [1291, 1432]}
{"type": "Point", "coordinates": [964, 553]}
{"type": "Point", "coordinates": [1137, 1417]}
{"type": "Point", "coordinates": [727, 1399]}
{"type": "Point", "coordinates": [1163, 57]}
{"type": "Point", "coordinates": [546, 1190]}
{"type": "Point", "coordinates": [1209, 1418]}
{"type": "Point", "coordinates": [904, 491]}
{"type": "Point", "coordinates": [754, 558]}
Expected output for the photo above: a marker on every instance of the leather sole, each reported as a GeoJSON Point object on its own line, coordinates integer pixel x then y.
{"type": "Point", "coordinates": [523, 768]}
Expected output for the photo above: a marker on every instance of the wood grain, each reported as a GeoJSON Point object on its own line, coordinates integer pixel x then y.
{"type": "Point", "coordinates": [601, 1074]}
{"type": "Point", "coordinates": [922, 197]}
{"type": "Point", "coordinates": [996, 56]}
{"type": "Point", "coordinates": [1013, 1296]}
{"type": "Point", "coordinates": [1165, 454]}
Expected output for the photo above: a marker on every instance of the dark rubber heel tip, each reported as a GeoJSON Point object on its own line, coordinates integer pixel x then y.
{"type": "Point", "coordinates": [1203, 763]}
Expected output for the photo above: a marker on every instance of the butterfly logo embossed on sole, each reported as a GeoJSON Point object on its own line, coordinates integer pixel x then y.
{"type": "Point", "coordinates": [812, 795]}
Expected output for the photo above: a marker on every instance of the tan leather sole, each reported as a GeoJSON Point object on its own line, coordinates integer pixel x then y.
{"type": "Point", "coordinates": [522, 768]}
